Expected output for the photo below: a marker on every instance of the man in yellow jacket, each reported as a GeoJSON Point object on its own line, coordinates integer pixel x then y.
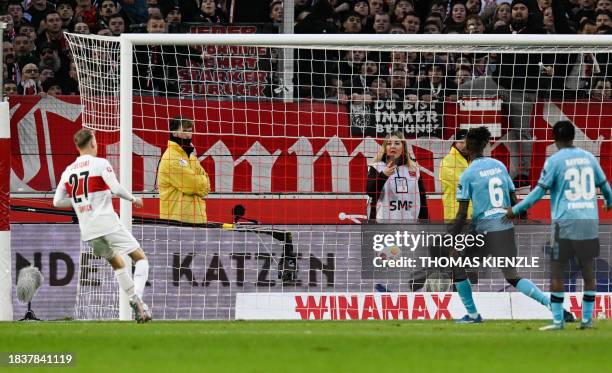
{"type": "Point", "coordinates": [453, 165]}
{"type": "Point", "coordinates": [182, 181]}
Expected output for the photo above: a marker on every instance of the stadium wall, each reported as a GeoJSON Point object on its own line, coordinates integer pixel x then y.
{"type": "Point", "coordinates": [214, 274]}
{"type": "Point", "coordinates": [281, 156]}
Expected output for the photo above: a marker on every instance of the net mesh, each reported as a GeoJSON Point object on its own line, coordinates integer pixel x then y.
{"type": "Point", "coordinates": [292, 143]}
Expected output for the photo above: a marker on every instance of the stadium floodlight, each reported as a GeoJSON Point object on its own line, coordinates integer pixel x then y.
{"type": "Point", "coordinates": [233, 85]}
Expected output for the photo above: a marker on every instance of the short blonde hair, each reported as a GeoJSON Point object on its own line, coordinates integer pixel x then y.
{"type": "Point", "coordinates": [83, 137]}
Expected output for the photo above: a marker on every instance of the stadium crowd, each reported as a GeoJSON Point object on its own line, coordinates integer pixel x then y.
{"type": "Point", "coordinates": [38, 61]}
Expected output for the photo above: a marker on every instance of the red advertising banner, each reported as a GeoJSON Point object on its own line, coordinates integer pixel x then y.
{"type": "Point", "coordinates": [276, 158]}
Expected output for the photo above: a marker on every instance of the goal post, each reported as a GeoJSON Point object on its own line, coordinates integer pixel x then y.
{"type": "Point", "coordinates": [292, 160]}
{"type": "Point", "coordinates": [6, 280]}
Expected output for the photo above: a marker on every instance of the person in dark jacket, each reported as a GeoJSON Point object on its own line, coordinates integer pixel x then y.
{"type": "Point", "coordinates": [314, 68]}
{"type": "Point", "coordinates": [517, 81]}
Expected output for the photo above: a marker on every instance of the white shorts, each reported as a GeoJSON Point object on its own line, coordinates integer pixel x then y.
{"type": "Point", "coordinates": [119, 242]}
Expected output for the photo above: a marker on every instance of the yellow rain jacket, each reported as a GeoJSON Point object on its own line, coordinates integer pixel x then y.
{"type": "Point", "coordinates": [453, 165]}
{"type": "Point", "coordinates": [183, 184]}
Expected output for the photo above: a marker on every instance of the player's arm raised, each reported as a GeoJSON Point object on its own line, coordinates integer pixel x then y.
{"type": "Point", "coordinates": [116, 188]}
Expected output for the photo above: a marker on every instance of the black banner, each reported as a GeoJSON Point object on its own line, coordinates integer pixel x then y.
{"type": "Point", "coordinates": [379, 118]}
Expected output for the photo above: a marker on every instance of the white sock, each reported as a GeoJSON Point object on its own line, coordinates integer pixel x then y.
{"type": "Point", "coordinates": [125, 282]}
{"type": "Point", "coordinates": [141, 274]}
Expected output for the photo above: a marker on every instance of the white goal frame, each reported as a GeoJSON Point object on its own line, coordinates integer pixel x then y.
{"type": "Point", "coordinates": [455, 42]}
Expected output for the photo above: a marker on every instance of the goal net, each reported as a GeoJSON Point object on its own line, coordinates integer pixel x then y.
{"type": "Point", "coordinates": [286, 128]}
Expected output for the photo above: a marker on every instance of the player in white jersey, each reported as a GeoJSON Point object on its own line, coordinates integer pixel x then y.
{"type": "Point", "coordinates": [86, 185]}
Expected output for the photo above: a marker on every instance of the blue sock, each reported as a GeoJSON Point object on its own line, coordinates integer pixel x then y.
{"type": "Point", "coordinates": [464, 288]}
{"type": "Point", "coordinates": [588, 302]}
{"type": "Point", "coordinates": [531, 290]}
{"type": "Point", "coordinates": [556, 306]}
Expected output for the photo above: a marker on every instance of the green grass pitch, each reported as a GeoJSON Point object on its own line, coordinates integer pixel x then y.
{"type": "Point", "coordinates": [314, 346]}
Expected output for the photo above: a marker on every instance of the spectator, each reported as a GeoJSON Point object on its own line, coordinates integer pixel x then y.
{"type": "Point", "coordinates": [462, 75]}
{"type": "Point", "coordinates": [54, 33]}
{"type": "Point", "coordinates": [432, 27]}
{"type": "Point", "coordinates": [30, 80]}
{"type": "Point", "coordinates": [549, 20]}
{"type": "Point", "coordinates": [585, 10]}
{"type": "Point", "coordinates": [376, 6]}
{"type": "Point", "coordinates": [50, 59]}
{"type": "Point", "coordinates": [155, 69]}
{"type": "Point", "coordinates": [86, 12]}
{"type": "Point", "coordinates": [603, 18]}
{"type": "Point", "coordinates": [602, 89]}
{"type": "Point", "coordinates": [502, 16]}
{"type": "Point", "coordinates": [439, 7]}
{"type": "Point", "coordinates": [544, 4]}
{"type": "Point", "coordinates": [13, 71]}
{"type": "Point", "coordinates": [379, 89]}
{"type": "Point", "coordinates": [457, 15]}
{"type": "Point", "coordinates": [45, 74]}
{"type": "Point", "coordinates": [517, 82]}
{"type": "Point", "coordinates": [210, 13]}
{"type": "Point", "coordinates": [52, 87]}
{"type": "Point", "coordinates": [66, 13]}
{"type": "Point", "coordinates": [402, 7]}
{"type": "Point", "coordinates": [473, 7]}
{"type": "Point", "coordinates": [604, 30]}
{"type": "Point", "coordinates": [36, 13]}
{"type": "Point", "coordinates": [9, 31]}
{"type": "Point", "coordinates": [394, 177]}
{"type": "Point", "coordinates": [350, 64]}
{"type": "Point", "coordinates": [401, 86]}
{"type": "Point", "coordinates": [136, 10]}
{"type": "Point", "coordinates": [116, 24]}
{"type": "Point", "coordinates": [276, 11]}
{"type": "Point", "coordinates": [183, 183]}
{"type": "Point", "coordinates": [154, 11]}
{"type": "Point", "coordinates": [15, 9]}
{"type": "Point", "coordinates": [474, 24]}
{"type": "Point", "coordinates": [351, 23]}
{"type": "Point", "coordinates": [70, 84]}
{"type": "Point", "coordinates": [335, 91]}
{"type": "Point", "coordinates": [435, 17]}
{"type": "Point", "coordinates": [398, 61]}
{"type": "Point", "coordinates": [412, 23]}
{"type": "Point", "coordinates": [174, 16]}
{"type": "Point", "coordinates": [451, 168]}
{"type": "Point", "coordinates": [315, 66]}
{"type": "Point", "coordinates": [360, 84]}
{"type": "Point", "coordinates": [362, 8]}
{"type": "Point", "coordinates": [23, 47]}
{"type": "Point", "coordinates": [10, 88]}
{"type": "Point", "coordinates": [437, 85]}
{"type": "Point", "coordinates": [382, 23]}
{"type": "Point", "coordinates": [81, 28]}
{"type": "Point", "coordinates": [106, 8]}
{"type": "Point", "coordinates": [605, 5]}
{"type": "Point", "coordinates": [28, 29]}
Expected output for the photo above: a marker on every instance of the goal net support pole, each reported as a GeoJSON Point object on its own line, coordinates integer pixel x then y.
{"type": "Point", "coordinates": [6, 281]}
{"type": "Point", "coordinates": [125, 160]}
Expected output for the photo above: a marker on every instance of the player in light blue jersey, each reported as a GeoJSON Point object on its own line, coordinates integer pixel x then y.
{"type": "Point", "coordinates": [487, 184]}
{"type": "Point", "coordinates": [572, 176]}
